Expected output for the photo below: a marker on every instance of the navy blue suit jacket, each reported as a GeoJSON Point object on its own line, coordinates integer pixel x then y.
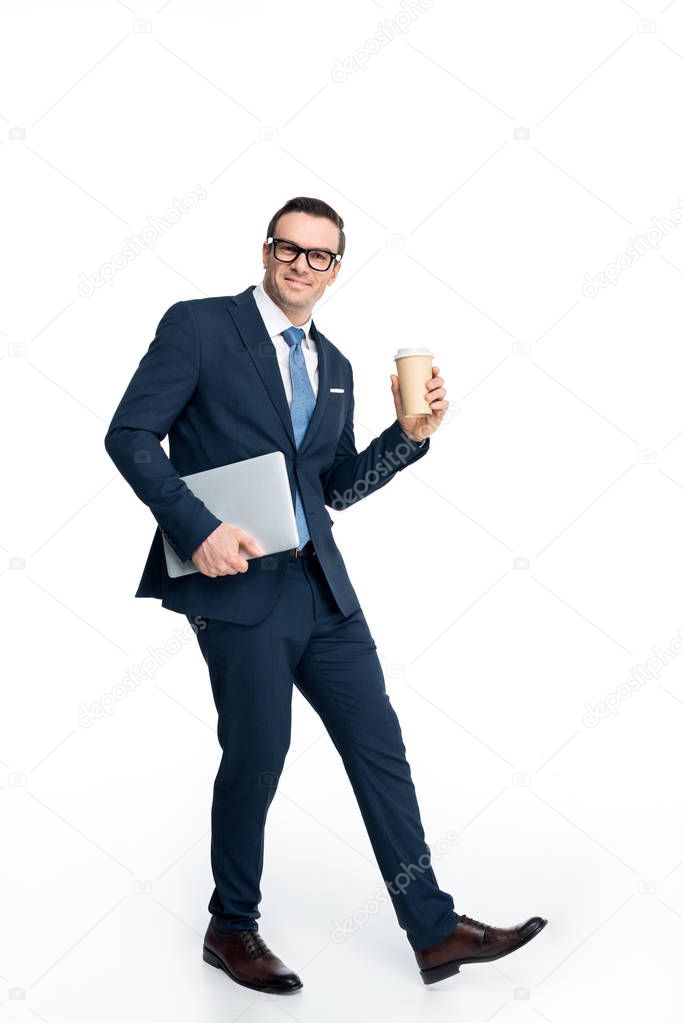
{"type": "Point", "coordinates": [210, 380]}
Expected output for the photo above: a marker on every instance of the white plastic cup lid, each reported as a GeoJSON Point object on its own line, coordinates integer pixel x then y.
{"type": "Point", "coordinates": [413, 351]}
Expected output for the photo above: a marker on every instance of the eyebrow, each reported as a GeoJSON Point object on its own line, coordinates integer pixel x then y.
{"type": "Point", "coordinates": [311, 248]}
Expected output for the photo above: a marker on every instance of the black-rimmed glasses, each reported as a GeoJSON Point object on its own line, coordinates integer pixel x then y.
{"type": "Point", "coordinates": [287, 252]}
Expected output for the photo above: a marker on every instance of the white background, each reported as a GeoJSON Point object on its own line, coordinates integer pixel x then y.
{"type": "Point", "coordinates": [485, 159]}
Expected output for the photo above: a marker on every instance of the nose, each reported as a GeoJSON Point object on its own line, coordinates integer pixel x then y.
{"type": "Point", "coordinates": [303, 265]}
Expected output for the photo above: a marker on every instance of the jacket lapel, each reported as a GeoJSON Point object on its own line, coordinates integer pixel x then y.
{"type": "Point", "coordinates": [323, 387]}
{"type": "Point", "coordinates": [258, 343]}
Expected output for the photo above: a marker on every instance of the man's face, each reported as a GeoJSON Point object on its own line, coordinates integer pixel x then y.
{"type": "Point", "coordinates": [295, 287]}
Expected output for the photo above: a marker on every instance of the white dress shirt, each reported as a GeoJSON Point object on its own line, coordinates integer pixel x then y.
{"type": "Point", "coordinates": [276, 321]}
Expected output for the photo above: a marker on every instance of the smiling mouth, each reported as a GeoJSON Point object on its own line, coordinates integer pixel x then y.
{"type": "Point", "coordinates": [297, 283]}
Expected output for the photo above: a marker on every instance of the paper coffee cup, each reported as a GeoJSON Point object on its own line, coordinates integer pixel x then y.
{"type": "Point", "coordinates": [414, 370]}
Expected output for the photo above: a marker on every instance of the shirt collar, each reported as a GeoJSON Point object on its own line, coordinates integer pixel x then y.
{"type": "Point", "coordinates": [274, 318]}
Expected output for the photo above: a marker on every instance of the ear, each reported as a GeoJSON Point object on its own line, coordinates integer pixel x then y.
{"type": "Point", "coordinates": [333, 275]}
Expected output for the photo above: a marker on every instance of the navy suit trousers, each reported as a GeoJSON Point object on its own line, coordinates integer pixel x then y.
{"type": "Point", "coordinates": [332, 659]}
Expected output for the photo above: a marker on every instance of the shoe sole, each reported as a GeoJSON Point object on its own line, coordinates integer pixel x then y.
{"type": "Point", "coordinates": [210, 957]}
{"type": "Point", "coordinates": [449, 969]}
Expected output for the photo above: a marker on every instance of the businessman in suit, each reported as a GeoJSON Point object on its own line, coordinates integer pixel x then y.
{"type": "Point", "coordinates": [232, 378]}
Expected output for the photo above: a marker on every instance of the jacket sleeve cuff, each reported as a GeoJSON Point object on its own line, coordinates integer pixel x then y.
{"type": "Point", "coordinates": [406, 437]}
{"type": "Point", "coordinates": [395, 438]}
{"type": "Point", "coordinates": [204, 525]}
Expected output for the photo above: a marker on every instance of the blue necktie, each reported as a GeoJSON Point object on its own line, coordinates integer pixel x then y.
{"type": "Point", "coordinates": [303, 403]}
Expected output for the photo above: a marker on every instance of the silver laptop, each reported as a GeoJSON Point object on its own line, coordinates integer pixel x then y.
{"type": "Point", "coordinates": [253, 494]}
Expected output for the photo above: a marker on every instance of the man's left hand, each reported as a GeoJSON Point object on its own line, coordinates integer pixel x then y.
{"type": "Point", "coordinates": [418, 428]}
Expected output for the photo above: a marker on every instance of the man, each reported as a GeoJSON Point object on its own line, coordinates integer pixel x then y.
{"type": "Point", "coordinates": [232, 378]}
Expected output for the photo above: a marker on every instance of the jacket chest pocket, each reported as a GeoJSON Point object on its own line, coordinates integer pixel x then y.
{"type": "Point", "coordinates": [337, 407]}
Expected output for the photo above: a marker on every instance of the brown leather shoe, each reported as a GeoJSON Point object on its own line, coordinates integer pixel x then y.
{"type": "Point", "coordinates": [245, 957]}
{"type": "Point", "coordinates": [473, 942]}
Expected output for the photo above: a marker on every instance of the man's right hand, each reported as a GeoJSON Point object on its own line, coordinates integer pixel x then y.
{"type": "Point", "coordinates": [220, 554]}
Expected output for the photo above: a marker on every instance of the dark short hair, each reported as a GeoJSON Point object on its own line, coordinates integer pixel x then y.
{"type": "Point", "coordinates": [315, 208]}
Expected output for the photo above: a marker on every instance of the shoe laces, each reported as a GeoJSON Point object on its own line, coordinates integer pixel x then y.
{"type": "Point", "coordinates": [255, 945]}
{"type": "Point", "coordinates": [477, 923]}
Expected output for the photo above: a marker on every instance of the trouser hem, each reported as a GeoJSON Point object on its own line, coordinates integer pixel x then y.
{"type": "Point", "coordinates": [228, 927]}
{"type": "Point", "coordinates": [419, 942]}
